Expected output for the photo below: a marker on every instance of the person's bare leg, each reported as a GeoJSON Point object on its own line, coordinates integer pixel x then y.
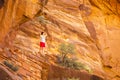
{"type": "Point", "coordinates": [40, 50]}
{"type": "Point", "coordinates": [43, 52]}
{"type": "Point", "coordinates": [45, 48]}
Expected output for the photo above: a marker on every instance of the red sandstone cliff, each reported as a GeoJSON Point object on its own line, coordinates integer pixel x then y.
{"type": "Point", "coordinates": [92, 25]}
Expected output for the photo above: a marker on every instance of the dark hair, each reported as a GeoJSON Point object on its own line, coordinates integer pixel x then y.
{"type": "Point", "coordinates": [42, 33]}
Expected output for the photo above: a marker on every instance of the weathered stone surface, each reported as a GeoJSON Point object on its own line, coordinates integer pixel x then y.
{"type": "Point", "coordinates": [91, 25]}
{"type": "Point", "coordinates": [15, 12]}
{"type": "Point", "coordinates": [6, 74]}
{"type": "Point", "coordinates": [106, 23]}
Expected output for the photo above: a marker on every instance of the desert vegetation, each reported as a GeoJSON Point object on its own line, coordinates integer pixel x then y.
{"type": "Point", "coordinates": [11, 66]}
{"type": "Point", "coordinates": [63, 58]}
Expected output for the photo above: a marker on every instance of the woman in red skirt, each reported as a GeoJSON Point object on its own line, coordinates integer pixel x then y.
{"type": "Point", "coordinates": [42, 41]}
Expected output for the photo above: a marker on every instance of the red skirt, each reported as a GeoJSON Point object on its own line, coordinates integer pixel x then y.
{"type": "Point", "coordinates": [42, 44]}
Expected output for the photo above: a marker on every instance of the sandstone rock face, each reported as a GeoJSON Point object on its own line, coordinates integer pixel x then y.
{"type": "Point", "coordinates": [15, 12]}
{"type": "Point", "coordinates": [91, 25]}
{"type": "Point", "coordinates": [106, 24]}
{"type": "Point", "coordinates": [6, 74]}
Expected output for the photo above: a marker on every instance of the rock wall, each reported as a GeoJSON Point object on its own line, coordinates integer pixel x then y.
{"type": "Point", "coordinates": [91, 25]}
{"type": "Point", "coordinates": [105, 19]}
{"type": "Point", "coordinates": [15, 12]}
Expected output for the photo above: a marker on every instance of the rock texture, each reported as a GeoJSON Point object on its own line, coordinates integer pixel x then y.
{"type": "Point", "coordinates": [14, 12]}
{"type": "Point", "coordinates": [106, 23]}
{"type": "Point", "coordinates": [6, 75]}
{"type": "Point", "coordinates": [91, 25]}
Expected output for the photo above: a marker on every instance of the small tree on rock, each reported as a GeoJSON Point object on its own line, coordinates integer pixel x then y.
{"type": "Point", "coordinates": [66, 49]}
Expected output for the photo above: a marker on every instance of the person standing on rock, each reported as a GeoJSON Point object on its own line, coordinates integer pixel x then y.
{"type": "Point", "coordinates": [43, 36]}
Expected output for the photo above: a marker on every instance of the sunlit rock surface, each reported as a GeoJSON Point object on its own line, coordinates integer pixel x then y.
{"type": "Point", "coordinates": [14, 12]}
{"type": "Point", "coordinates": [91, 25]}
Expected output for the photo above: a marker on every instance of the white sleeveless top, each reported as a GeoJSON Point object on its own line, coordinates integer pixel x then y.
{"type": "Point", "coordinates": [42, 38]}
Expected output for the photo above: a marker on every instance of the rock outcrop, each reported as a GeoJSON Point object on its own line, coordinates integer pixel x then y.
{"type": "Point", "coordinates": [6, 74]}
{"type": "Point", "coordinates": [105, 20]}
{"type": "Point", "coordinates": [91, 25]}
{"type": "Point", "coordinates": [15, 12]}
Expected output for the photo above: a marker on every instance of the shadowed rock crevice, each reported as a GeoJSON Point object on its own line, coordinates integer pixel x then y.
{"type": "Point", "coordinates": [91, 29]}
{"type": "Point", "coordinates": [1, 3]}
{"type": "Point", "coordinates": [118, 1]}
{"type": "Point", "coordinates": [5, 74]}
{"type": "Point", "coordinates": [94, 77]}
{"type": "Point", "coordinates": [94, 4]}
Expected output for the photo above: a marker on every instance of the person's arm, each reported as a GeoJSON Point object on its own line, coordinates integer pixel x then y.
{"type": "Point", "coordinates": [45, 34]}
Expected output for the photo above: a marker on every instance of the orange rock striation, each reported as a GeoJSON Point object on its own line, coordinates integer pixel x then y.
{"type": "Point", "coordinates": [91, 25]}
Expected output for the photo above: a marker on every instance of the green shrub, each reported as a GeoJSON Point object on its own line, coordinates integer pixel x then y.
{"type": "Point", "coordinates": [15, 68]}
{"type": "Point", "coordinates": [8, 64]}
{"type": "Point", "coordinates": [44, 2]}
{"type": "Point", "coordinates": [72, 63]}
{"type": "Point", "coordinates": [42, 20]}
{"type": "Point", "coordinates": [11, 66]}
{"type": "Point", "coordinates": [63, 59]}
{"type": "Point", "coordinates": [81, 66]}
{"type": "Point", "coordinates": [66, 49]}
